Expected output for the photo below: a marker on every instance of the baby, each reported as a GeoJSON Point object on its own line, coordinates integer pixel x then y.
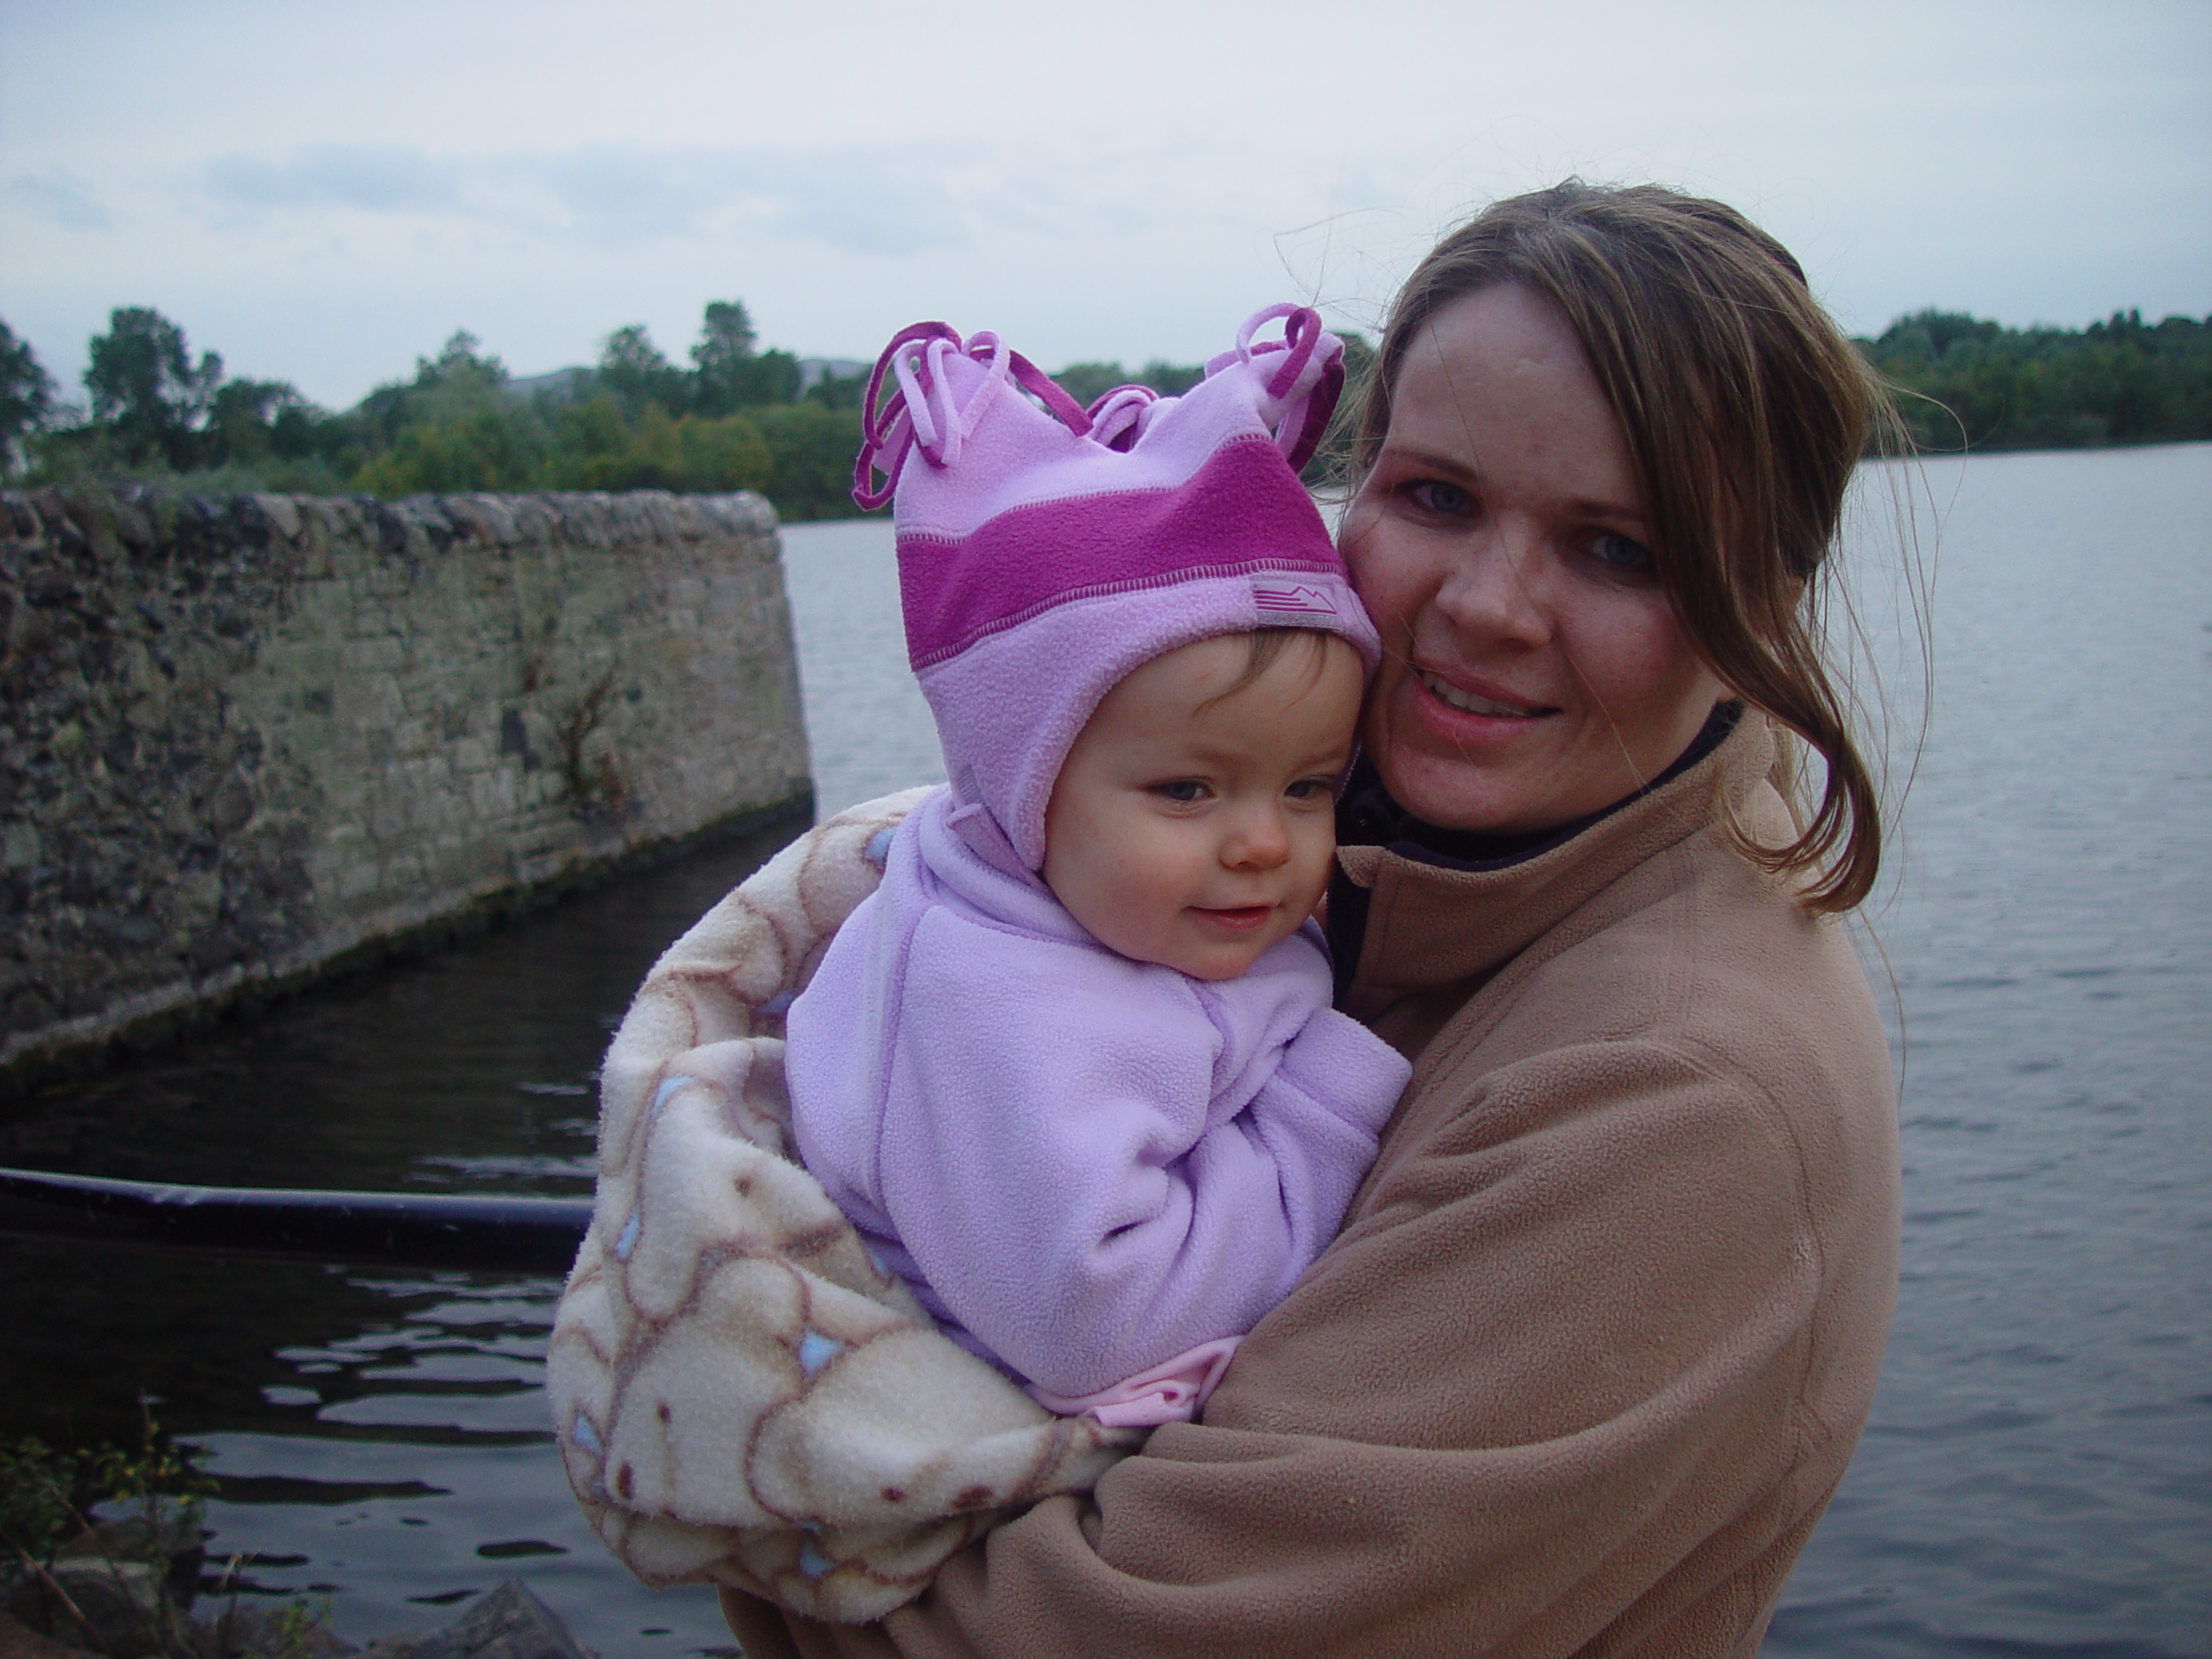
{"type": "Point", "coordinates": [1072, 1070]}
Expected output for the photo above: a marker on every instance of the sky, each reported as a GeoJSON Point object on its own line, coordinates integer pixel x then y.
{"type": "Point", "coordinates": [323, 194]}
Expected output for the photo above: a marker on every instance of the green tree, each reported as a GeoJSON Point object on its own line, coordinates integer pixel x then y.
{"type": "Point", "coordinates": [595, 448]}
{"type": "Point", "coordinates": [730, 374]}
{"type": "Point", "coordinates": [145, 388]}
{"type": "Point", "coordinates": [459, 378]}
{"type": "Point", "coordinates": [26, 396]}
{"type": "Point", "coordinates": [253, 420]}
{"type": "Point", "coordinates": [631, 367]}
{"type": "Point", "coordinates": [1976, 385]}
{"type": "Point", "coordinates": [460, 373]}
{"type": "Point", "coordinates": [1170, 379]}
{"type": "Point", "coordinates": [451, 428]}
{"type": "Point", "coordinates": [1088, 381]}
{"type": "Point", "coordinates": [811, 448]}
{"type": "Point", "coordinates": [721, 454]}
{"type": "Point", "coordinates": [486, 448]}
{"type": "Point", "coordinates": [584, 435]}
{"type": "Point", "coordinates": [837, 391]}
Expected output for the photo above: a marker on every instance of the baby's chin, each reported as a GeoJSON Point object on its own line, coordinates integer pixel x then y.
{"type": "Point", "coordinates": [1221, 959]}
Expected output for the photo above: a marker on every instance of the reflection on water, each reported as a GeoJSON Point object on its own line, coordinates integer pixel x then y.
{"type": "Point", "coordinates": [2038, 1475]}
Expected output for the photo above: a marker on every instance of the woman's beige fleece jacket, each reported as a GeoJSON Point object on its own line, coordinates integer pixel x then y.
{"type": "Point", "coordinates": [1595, 1344]}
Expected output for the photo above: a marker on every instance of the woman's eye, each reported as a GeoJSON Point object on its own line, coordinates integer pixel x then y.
{"type": "Point", "coordinates": [1623, 553]}
{"type": "Point", "coordinates": [1434, 495]}
{"type": "Point", "coordinates": [1182, 790]}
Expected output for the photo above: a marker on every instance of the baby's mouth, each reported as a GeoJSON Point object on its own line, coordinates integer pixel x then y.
{"type": "Point", "coordinates": [1235, 916]}
{"type": "Point", "coordinates": [1468, 702]}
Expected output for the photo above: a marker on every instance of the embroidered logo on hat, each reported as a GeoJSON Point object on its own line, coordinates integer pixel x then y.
{"type": "Point", "coordinates": [1293, 599]}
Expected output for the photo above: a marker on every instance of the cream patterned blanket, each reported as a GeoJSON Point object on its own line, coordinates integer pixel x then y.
{"type": "Point", "coordinates": [741, 1397]}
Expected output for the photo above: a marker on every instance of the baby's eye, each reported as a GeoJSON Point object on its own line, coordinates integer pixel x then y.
{"type": "Point", "coordinates": [1182, 790]}
{"type": "Point", "coordinates": [1307, 789]}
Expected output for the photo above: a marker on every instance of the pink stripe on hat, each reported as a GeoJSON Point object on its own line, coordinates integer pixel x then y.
{"type": "Point", "coordinates": [1045, 550]}
{"type": "Point", "coordinates": [1230, 517]}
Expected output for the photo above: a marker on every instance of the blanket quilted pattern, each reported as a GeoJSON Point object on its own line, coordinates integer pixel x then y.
{"type": "Point", "coordinates": [742, 1396]}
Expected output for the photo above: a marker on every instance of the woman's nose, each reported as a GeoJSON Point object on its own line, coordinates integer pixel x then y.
{"type": "Point", "coordinates": [1496, 588]}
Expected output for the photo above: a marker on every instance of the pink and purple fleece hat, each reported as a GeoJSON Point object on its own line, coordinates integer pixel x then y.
{"type": "Point", "coordinates": [1046, 550]}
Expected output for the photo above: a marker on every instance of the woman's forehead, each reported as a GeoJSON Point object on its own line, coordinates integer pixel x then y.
{"type": "Point", "coordinates": [1495, 389]}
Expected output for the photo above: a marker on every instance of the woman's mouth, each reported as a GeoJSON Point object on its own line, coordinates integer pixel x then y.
{"type": "Point", "coordinates": [1469, 702]}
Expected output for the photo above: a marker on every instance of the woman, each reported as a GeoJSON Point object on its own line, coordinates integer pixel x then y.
{"type": "Point", "coordinates": [1597, 1338]}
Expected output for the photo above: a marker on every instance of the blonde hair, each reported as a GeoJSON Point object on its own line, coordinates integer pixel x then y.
{"type": "Point", "coordinates": [1745, 410]}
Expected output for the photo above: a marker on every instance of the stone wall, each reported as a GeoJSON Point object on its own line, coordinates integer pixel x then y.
{"type": "Point", "coordinates": [245, 741]}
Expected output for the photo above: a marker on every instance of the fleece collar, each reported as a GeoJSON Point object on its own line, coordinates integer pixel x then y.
{"type": "Point", "coordinates": [1438, 927]}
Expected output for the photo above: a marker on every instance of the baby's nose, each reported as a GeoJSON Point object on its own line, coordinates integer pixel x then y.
{"type": "Point", "coordinates": [1258, 841]}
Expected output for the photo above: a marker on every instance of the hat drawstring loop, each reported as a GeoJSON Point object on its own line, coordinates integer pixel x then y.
{"type": "Point", "coordinates": [1312, 359]}
{"type": "Point", "coordinates": [1117, 418]}
{"type": "Point", "coordinates": [920, 411]}
{"type": "Point", "coordinates": [887, 428]}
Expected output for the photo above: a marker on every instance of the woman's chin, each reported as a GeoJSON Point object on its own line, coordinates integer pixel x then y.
{"type": "Point", "coordinates": [1451, 793]}
{"type": "Point", "coordinates": [1491, 776]}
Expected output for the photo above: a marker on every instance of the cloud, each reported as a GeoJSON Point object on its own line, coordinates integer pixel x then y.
{"type": "Point", "coordinates": [864, 203]}
{"type": "Point", "coordinates": [61, 200]}
{"type": "Point", "coordinates": [374, 178]}
{"type": "Point", "coordinates": [854, 201]}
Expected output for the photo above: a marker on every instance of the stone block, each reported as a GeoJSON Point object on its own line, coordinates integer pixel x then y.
{"type": "Point", "coordinates": [283, 513]}
{"type": "Point", "coordinates": [493, 794]}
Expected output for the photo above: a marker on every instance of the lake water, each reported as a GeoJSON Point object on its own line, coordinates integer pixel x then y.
{"type": "Point", "coordinates": [2038, 1477]}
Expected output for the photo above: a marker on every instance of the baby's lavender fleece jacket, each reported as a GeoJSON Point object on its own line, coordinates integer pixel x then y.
{"type": "Point", "coordinates": [1082, 1165]}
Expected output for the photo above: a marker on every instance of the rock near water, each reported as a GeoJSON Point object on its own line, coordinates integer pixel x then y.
{"type": "Point", "coordinates": [510, 1623]}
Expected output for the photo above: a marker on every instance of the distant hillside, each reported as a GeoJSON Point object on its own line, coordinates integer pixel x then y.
{"type": "Point", "coordinates": [1971, 385]}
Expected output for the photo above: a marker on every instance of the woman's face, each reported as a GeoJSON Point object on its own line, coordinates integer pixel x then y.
{"type": "Point", "coordinates": [1533, 670]}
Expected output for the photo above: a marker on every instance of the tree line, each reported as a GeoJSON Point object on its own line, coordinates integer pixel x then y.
{"type": "Point", "coordinates": [1970, 385]}
{"type": "Point", "coordinates": [735, 417]}
{"type": "Point", "coordinates": [738, 418]}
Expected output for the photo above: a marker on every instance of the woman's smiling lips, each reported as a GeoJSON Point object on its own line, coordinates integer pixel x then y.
{"type": "Point", "coordinates": [1486, 703]}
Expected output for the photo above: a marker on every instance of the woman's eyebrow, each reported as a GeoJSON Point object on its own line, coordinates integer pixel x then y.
{"type": "Point", "coordinates": [1613, 509]}
{"type": "Point", "coordinates": [1431, 461]}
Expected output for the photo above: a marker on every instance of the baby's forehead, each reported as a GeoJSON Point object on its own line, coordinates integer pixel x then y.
{"type": "Point", "coordinates": [1278, 665]}
{"type": "Point", "coordinates": [1234, 695]}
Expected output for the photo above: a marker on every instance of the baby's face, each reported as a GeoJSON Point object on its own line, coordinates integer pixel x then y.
{"type": "Point", "coordinates": [1195, 833]}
